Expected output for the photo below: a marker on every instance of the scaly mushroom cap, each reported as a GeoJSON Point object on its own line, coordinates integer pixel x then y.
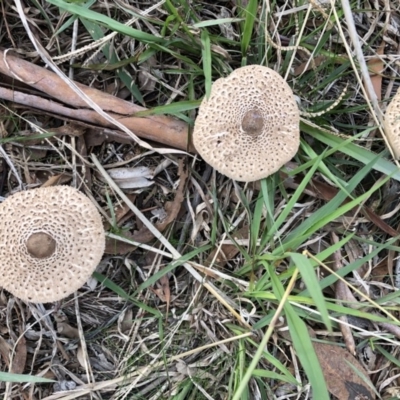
{"type": "Point", "coordinates": [392, 124]}
{"type": "Point", "coordinates": [249, 126]}
{"type": "Point", "coordinates": [51, 240]}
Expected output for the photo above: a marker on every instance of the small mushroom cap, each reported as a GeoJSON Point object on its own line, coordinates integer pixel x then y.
{"type": "Point", "coordinates": [249, 127]}
{"type": "Point", "coordinates": [51, 240]}
{"type": "Point", "coordinates": [392, 124]}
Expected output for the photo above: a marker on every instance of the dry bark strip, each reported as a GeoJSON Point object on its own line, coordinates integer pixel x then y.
{"type": "Point", "coordinates": [162, 129]}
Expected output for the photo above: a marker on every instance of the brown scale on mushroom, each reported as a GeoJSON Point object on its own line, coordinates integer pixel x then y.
{"type": "Point", "coordinates": [392, 124]}
{"type": "Point", "coordinates": [51, 240]}
{"type": "Point", "coordinates": [249, 126]}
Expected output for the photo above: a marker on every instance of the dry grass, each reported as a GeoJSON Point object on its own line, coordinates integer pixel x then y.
{"type": "Point", "coordinates": [204, 276]}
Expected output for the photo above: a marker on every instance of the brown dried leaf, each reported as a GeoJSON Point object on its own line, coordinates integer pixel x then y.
{"type": "Point", "coordinates": [66, 330]}
{"type": "Point", "coordinates": [326, 192]}
{"type": "Point", "coordinates": [70, 129]}
{"type": "Point", "coordinates": [164, 293]}
{"type": "Point", "coordinates": [227, 251]}
{"type": "Point", "coordinates": [144, 74]}
{"type": "Point", "coordinates": [341, 379]}
{"type": "Point", "coordinates": [307, 65]}
{"type": "Point", "coordinates": [380, 223]}
{"type": "Point", "coordinates": [342, 292]}
{"type": "Point", "coordinates": [125, 323]}
{"type": "Point", "coordinates": [347, 335]}
{"type": "Point", "coordinates": [121, 212]}
{"type": "Point", "coordinates": [376, 67]}
{"type": "Point", "coordinates": [173, 207]}
{"type": "Point", "coordinates": [19, 360]}
{"type": "Point", "coordinates": [5, 349]}
{"type": "Point", "coordinates": [380, 270]}
{"type": "Point", "coordinates": [57, 180]}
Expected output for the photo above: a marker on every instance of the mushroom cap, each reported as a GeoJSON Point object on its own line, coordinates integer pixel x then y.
{"type": "Point", "coordinates": [249, 127]}
{"type": "Point", "coordinates": [392, 124]}
{"type": "Point", "coordinates": [51, 240]}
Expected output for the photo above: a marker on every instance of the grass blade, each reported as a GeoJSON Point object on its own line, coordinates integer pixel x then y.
{"type": "Point", "coordinates": [20, 378]}
{"type": "Point", "coordinates": [250, 16]}
{"type": "Point", "coordinates": [307, 272]}
{"type": "Point", "coordinates": [302, 344]}
{"type": "Point", "coordinates": [207, 61]}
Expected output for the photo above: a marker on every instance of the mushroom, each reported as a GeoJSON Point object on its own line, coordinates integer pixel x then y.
{"type": "Point", "coordinates": [51, 240]}
{"type": "Point", "coordinates": [391, 124]}
{"type": "Point", "coordinates": [248, 128]}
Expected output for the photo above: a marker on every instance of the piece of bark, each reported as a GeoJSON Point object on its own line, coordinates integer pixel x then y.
{"type": "Point", "coordinates": [163, 129]}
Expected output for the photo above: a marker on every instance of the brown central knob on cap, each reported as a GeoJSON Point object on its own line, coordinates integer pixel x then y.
{"type": "Point", "coordinates": [253, 122]}
{"type": "Point", "coordinates": [40, 245]}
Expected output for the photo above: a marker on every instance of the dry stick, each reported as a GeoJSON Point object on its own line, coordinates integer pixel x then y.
{"type": "Point", "coordinates": [166, 130]}
{"type": "Point", "coordinates": [71, 85]}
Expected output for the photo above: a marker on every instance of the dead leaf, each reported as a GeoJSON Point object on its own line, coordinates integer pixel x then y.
{"type": "Point", "coordinates": [173, 207]}
{"type": "Point", "coordinates": [125, 321]}
{"type": "Point", "coordinates": [326, 192]}
{"type": "Point", "coordinates": [341, 379]}
{"type": "Point", "coordinates": [80, 355]}
{"type": "Point", "coordinates": [5, 349]}
{"type": "Point", "coordinates": [132, 178]}
{"type": "Point", "coordinates": [114, 246]}
{"type": "Point", "coordinates": [121, 212]}
{"type": "Point", "coordinates": [164, 292]}
{"type": "Point", "coordinates": [66, 330]}
{"type": "Point", "coordinates": [227, 251]}
{"type": "Point", "coordinates": [379, 222]}
{"type": "Point", "coordinates": [307, 65]}
{"type": "Point", "coordinates": [19, 360]}
{"type": "Point", "coordinates": [54, 180]}
{"type": "Point", "coordinates": [343, 293]}
{"type": "Point", "coordinates": [63, 327]}
{"type": "Point", "coordinates": [376, 67]}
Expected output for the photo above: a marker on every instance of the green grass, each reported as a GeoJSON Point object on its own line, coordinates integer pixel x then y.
{"type": "Point", "coordinates": [289, 236]}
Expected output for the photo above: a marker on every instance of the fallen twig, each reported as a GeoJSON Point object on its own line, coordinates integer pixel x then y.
{"type": "Point", "coordinates": [163, 129]}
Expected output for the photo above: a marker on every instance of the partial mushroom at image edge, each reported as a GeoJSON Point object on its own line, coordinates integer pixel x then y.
{"type": "Point", "coordinates": [51, 241]}
{"type": "Point", "coordinates": [392, 124]}
{"type": "Point", "coordinates": [249, 127]}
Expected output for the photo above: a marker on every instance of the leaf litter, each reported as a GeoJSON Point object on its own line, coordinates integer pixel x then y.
{"type": "Point", "coordinates": [108, 345]}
